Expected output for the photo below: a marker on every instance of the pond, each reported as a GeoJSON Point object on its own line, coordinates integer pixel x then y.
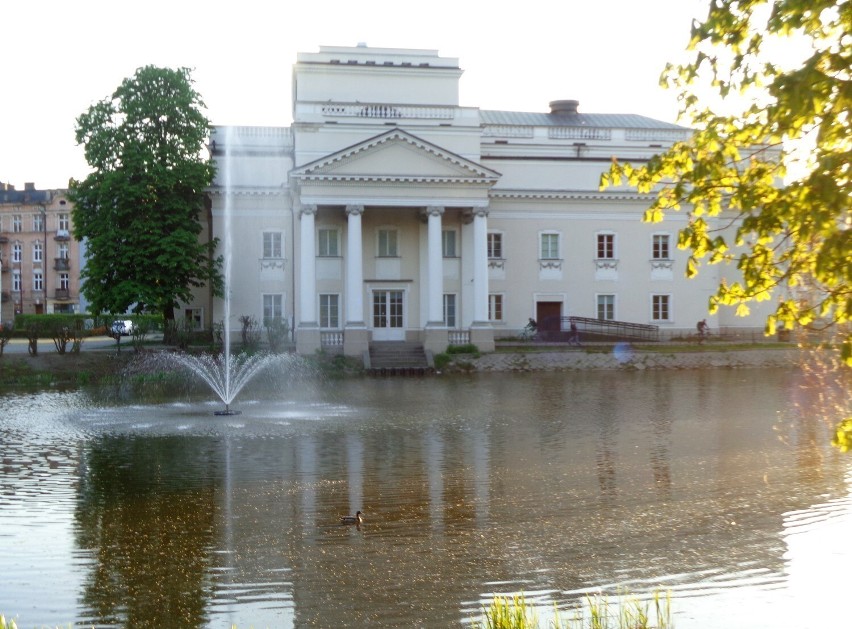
{"type": "Point", "coordinates": [718, 486]}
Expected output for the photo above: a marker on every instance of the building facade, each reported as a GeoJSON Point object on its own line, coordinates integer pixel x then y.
{"type": "Point", "coordinates": [39, 257]}
{"type": "Point", "coordinates": [387, 211]}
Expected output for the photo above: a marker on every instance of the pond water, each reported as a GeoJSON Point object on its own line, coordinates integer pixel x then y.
{"type": "Point", "coordinates": [719, 486]}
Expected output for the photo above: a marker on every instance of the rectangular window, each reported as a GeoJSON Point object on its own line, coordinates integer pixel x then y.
{"type": "Point", "coordinates": [606, 246]}
{"type": "Point", "coordinates": [450, 310]}
{"type": "Point", "coordinates": [661, 307]}
{"type": "Point", "coordinates": [448, 243]}
{"type": "Point", "coordinates": [549, 246]}
{"type": "Point", "coordinates": [195, 317]}
{"type": "Point", "coordinates": [62, 250]}
{"type": "Point", "coordinates": [16, 281]}
{"type": "Point", "coordinates": [272, 308]}
{"type": "Point", "coordinates": [37, 252]}
{"type": "Point", "coordinates": [329, 311]}
{"type": "Point", "coordinates": [64, 222]}
{"type": "Point", "coordinates": [495, 307]}
{"type": "Point", "coordinates": [388, 243]}
{"type": "Point", "coordinates": [495, 245]}
{"type": "Point", "coordinates": [660, 247]}
{"type": "Point", "coordinates": [38, 281]}
{"type": "Point", "coordinates": [17, 225]}
{"type": "Point", "coordinates": [328, 243]}
{"type": "Point", "coordinates": [272, 245]}
{"type": "Point", "coordinates": [17, 252]}
{"type": "Point", "coordinates": [38, 222]}
{"type": "Point", "coordinates": [64, 281]}
{"type": "Point", "coordinates": [606, 307]}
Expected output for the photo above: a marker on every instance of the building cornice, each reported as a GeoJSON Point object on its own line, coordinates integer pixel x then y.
{"type": "Point", "coordinates": [596, 195]}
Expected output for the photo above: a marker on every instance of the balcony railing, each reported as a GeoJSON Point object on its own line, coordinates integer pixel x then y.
{"type": "Point", "coordinates": [61, 264]}
{"type": "Point", "coordinates": [377, 110]}
{"type": "Point", "coordinates": [62, 235]}
{"type": "Point", "coordinates": [62, 294]}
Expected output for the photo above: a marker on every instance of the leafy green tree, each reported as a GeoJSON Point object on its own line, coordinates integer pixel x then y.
{"type": "Point", "coordinates": [767, 176]}
{"type": "Point", "coordinates": [138, 211]}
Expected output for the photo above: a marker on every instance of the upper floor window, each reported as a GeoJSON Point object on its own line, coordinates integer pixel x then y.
{"type": "Point", "coordinates": [495, 245]}
{"type": "Point", "coordinates": [38, 252]}
{"type": "Point", "coordinates": [606, 246]}
{"type": "Point", "coordinates": [38, 280]}
{"type": "Point", "coordinates": [64, 281]}
{"type": "Point", "coordinates": [329, 243]}
{"type": "Point", "coordinates": [16, 281]}
{"type": "Point", "coordinates": [661, 308]}
{"type": "Point", "coordinates": [549, 249]}
{"type": "Point", "coordinates": [64, 222]}
{"type": "Point", "coordinates": [272, 245]}
{"type": "Point", "coordinates": [38, 222]}
{"type": "Point", "coordinates": [17, 224]}
{"type": "Point", "coordinates": [388, 247]}
{"type": "Point", "coordinates": [660, 247]}
{"type": "Point", "coordinates": [17, 252]}
{"type": "Point", "coordinates": [448, 243]}
{"type": "Point", "coordinates": [62, 250]}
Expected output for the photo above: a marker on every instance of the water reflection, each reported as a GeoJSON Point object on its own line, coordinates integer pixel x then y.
{"type": "Point", "coordinates": [547, 484]}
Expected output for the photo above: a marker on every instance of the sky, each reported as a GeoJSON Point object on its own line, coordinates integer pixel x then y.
{"type": "Point", "coordinates": [59, 57]}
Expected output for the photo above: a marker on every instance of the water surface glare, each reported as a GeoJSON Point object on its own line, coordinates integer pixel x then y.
{"type": "Point", "coordinates": [714, 485]}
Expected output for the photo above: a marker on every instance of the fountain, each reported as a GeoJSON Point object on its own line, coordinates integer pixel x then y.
{"type": "Point", "coordinates": [224, 374]}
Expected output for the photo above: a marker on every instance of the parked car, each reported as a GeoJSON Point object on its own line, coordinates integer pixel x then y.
{"type": "Point", "coordinates": [121, 327]}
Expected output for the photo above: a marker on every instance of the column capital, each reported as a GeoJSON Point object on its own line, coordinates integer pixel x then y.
{"type": "Point", "coordinates": [477, 212]}
{"type": "Point", "coordinates": [434, 210]}
{"type": "Point", "coordinates": [309, 210]}
{"type": "Point", "coordinates": [354, 209]}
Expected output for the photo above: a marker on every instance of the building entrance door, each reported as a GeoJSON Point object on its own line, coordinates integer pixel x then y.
{"type": "Point", "coordinates": [388, 315]}
{"type": "Point", "coordinates": [549, 319]}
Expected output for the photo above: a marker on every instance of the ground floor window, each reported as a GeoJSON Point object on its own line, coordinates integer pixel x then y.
{"type": "Point", "coordinates": [661, 307]}
{"type": "Point", "coordinates": [329, 310]}
{"type": "Point", "coordinates": [450, 310]}
{"type": "Point", "coordinates": [495, 307]}
{"type": "Point", "coordinates": [273, 308]}
{"type": "Point", "coordinates": [606, 307]}
{"type": "Point", "coordinates": [195, 317]}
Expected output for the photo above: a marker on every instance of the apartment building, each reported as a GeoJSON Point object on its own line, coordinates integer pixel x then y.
{"type": "Point", "coordinates": [39, 257]}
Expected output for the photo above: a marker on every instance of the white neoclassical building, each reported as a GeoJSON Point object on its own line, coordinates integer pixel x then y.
{"type": "Point", "coordinates": [388, 211]}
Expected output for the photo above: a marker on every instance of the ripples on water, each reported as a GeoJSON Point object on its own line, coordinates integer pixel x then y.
{"type": "Point", "coordinates": [551, 485]}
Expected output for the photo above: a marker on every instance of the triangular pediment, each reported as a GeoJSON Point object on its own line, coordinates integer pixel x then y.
{"type": "Point", "coordinates": [396, 156]}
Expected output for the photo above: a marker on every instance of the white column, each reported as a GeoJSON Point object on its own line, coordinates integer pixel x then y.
{"type": "Point", "coordinates": [307, 267]}
{"type": "Point", "coordinates": [354, 266]}
{"type": "Point", "coordinates": [480, 265]}
{"type": "Point", "coordinates": [435, 312]}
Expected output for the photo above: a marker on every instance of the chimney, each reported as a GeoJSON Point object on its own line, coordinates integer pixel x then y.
{"type": "Point", "coordinates": [564, 106]}
{"type": "Point", "coordinates": [29, 186]}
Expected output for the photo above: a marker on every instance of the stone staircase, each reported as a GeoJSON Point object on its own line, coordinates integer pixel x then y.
{"type": "Point", "coordinates": [397, 358]}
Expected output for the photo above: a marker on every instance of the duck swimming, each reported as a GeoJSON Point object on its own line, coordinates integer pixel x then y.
{"type": "Point", "coordinates": [352, 519]}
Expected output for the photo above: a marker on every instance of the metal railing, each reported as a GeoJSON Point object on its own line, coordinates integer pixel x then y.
{"type": "Point", "coordinates": [602, 329]}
